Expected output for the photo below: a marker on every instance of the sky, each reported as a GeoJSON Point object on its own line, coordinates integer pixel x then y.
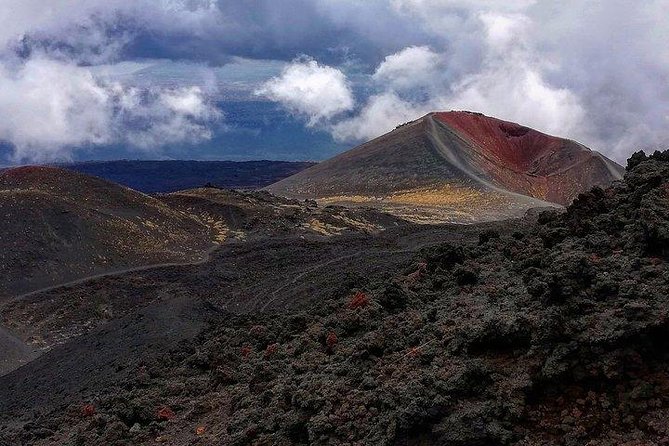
{"type": "Point", "coordinates": [305, 79]}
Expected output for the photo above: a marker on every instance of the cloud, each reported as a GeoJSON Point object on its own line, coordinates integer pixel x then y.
{"type": "Point", "coordinates": [379, 115]}
{"type": "Point", "coordinates": [413, 67]}
{"type": "Point", "coordinates": [511, 84]}
{"type": "Point", "coordinates": [50, 108]}
{"type": "Point", "coordinates": [306, 88]}
{"type": "Point", "coordinates": [614, 58]}
{"type": "Point", "coordinates": [209, 30]}
{"type": "Point", "coordinates": [155, 117]}
{"type": "Point", "coordinates": [46, 104]}
{"type": "Point", "coordinates": [592, 70]}
{"type": "Point", "coordinates": [56, 95]}
{"type": "Point", "coordinates": [64, 21]}
{"type": "Point", "coordinates": [521, 94]}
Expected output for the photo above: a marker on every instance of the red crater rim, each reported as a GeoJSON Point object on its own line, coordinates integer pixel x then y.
{"type": "Point", "coordinates": [512, 145]}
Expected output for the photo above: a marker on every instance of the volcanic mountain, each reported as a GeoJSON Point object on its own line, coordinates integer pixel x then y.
{"type": "Point", "coordinates": [58, 226]}
{"type": "Point", "coordinates": [466, 165]}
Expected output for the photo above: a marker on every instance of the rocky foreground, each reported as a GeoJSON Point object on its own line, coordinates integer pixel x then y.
{"type": "Point", "coordinates": [554, 332]}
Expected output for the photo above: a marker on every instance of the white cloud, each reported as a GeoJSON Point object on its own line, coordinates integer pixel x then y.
{"type": "Point", "coordinates": [51, 107]}
{"type": "Point", "coordinates": [455, 20]}
{"type": "Point", "coordinates": [504, 31]}
{"type": "Point", "coordinates": [513, 83]}
{"type": "Point", "coordinates": [615, 59]}
{"type": "Point", "coordinates": [155, 117]}
{"type": "Point", "coordinates": [592, 71]}
{"type": "Point", "coordinates": [187, 102]}
{"type": "Point", "coordinates": [66, 19]}
{"type": "Point", "coordinates": [380, 114]}
{"type": "Point", "coordinates": [413, 67]}
{"type": "Point", "coordinates": [510, 85]}
{"type": "Point", "coordinates": [46, 104]}
{"type": "Point", "coordinates": [436, 8]}
{"type": "Point", "coordinates": [307, 88]}
{"type": "Point", "coordinates": [58, 97]}
{"type": "Point", "coordinates": [520, 94]}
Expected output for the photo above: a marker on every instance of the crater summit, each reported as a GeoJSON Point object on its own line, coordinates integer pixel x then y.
{"type": "Point", "coordinates": [456, 166]}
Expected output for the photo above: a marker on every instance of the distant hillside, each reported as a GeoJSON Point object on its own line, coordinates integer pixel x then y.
{"type": "Point", "coordinates": [58, 225]}
{"type": "Point", "coordinates": [172, 176]}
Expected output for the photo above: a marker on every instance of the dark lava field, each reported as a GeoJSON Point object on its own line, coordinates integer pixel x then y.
{"type": "Point", "coordinates": [328, 326]}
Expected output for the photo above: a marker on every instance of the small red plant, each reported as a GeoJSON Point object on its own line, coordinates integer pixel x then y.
{"type": "Point", "coordinates": [359, 300]}
{"type": "Point", "coordinates": [257, 330]}
{"type": "Point", "coordinates": [200, 430]}
{"type": "Point", "coordinates": [246, 351]}
{"type": "Point", "coordinates": [88, 410]}
{"type": "Point", "coordinates": [271, 350]}
{"type": "Point", "coordinates": [331, 340]}
{"type": "Point", "coordinates": [165, 413]}
{"type": "Point", "coordinates": [416, 275]}
{"type": "Point", "coordinates": [413, 277]}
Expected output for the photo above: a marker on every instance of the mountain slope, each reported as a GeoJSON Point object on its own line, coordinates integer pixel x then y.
{"type": "Point", "coordinates": [546, 331]}
{"type": "Point", "coordinates": [59, 226]}
{"type": "Point", "coordinates": [473, 165]}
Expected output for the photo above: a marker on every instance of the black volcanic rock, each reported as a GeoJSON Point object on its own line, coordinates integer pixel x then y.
{"type": "Point", "coordinates": [546, 332]}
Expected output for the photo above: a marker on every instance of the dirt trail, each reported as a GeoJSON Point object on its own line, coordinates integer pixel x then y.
{"type": "Point", "coordinates": [205, 258]}
{"type": "Point", "coordinates": [14, 352]}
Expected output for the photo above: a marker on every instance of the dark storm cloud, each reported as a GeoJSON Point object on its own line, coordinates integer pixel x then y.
{"type": "Point", "coordinates": [281, 29]}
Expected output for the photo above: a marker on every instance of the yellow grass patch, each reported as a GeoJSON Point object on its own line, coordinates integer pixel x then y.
{"type": "Point", "coordinates": [442, 195]}
{"type": "Point", "coordinates": [439, 195]}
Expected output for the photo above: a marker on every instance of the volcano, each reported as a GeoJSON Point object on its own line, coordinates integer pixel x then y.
{"type": "Point", "coordinates": [465, 166]}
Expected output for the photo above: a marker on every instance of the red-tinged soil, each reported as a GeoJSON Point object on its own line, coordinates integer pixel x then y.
{"type": "Point", "coordinates": [511, 145]}
{"type": "Point", "coordinates": [530, 162]}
